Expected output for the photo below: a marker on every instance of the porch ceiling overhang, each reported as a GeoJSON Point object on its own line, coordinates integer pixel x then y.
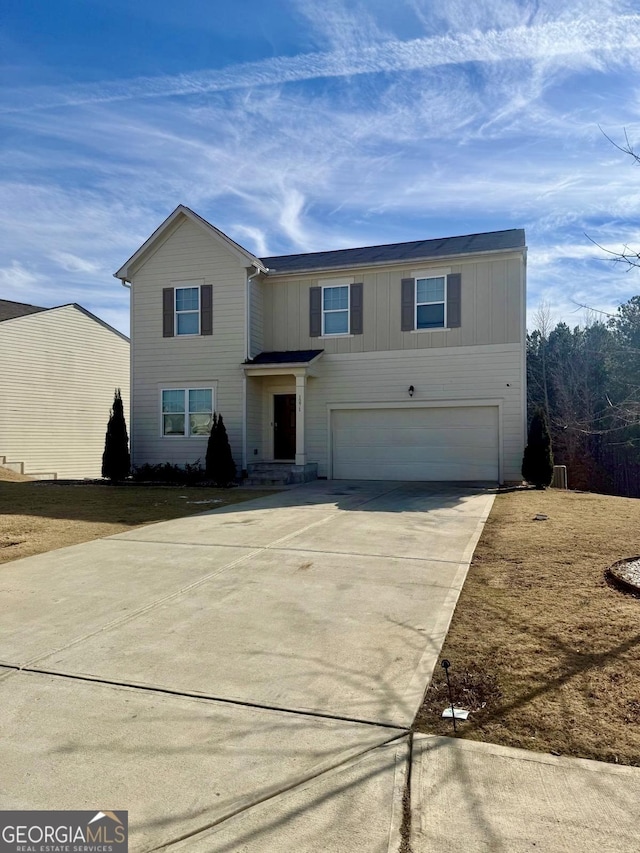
{"type": "Point", "coordinates": [290, 362]}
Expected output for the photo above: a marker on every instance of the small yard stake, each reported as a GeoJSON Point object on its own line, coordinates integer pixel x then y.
{"type": "Point", "coordinates": [445, 665]}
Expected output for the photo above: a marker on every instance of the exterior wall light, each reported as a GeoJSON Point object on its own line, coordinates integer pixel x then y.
{"type": "Point", "coordinates": [411, 390]}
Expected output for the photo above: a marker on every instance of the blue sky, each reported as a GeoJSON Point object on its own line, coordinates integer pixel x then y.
{"type": "Point", "coordinates": [302, 125]}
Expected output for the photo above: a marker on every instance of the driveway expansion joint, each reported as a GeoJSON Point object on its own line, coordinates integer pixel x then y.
{"type": "Point", "coordinates": [187, 694]}
{"type": "Point", "coordinates": [285, 789]}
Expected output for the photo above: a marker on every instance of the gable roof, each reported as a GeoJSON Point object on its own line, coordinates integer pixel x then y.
{"type": "Point", "coordinates": [14, 313]}
{"type": "Point", "coordinates": [10, 310]}
{"type": "Point", "coordinates": [241, 253]}
{"type": "Point", "coordinates": [418, 250]}
{"type": "Point", "coordinates": [388, 253]}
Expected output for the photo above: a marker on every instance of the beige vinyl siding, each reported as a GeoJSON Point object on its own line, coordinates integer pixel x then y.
{"type": "Point", "coordinates": [188, 254]}
{"type": "Point", "coordinates": [492, 291]}
{"type": "Point", "coordinates": [491, 373]}
{"type": "Point", "coordinates": [58, 372]}
{"type": "Point", "coordinates": [254, 419]}
{"type": "Point", "coordinates": [256, 307]}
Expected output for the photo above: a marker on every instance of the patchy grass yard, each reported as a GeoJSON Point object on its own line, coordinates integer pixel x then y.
{"type": "Point", "coordinates": [543, 650]}
{"type": "Point", "coordinates": [39, 516]}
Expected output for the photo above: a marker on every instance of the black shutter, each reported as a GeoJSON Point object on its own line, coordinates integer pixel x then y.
{"type": "Point", "coordinates": [315, 312]}
{"type": "Point", "coordinates": [454, 288]}
{"type": "Point", "coordinates": [355, 296]}
{"type": "Point", "coordinates": [206, 309]}
{"type": "Point", "coordinates": [167, 312]}
{"type": "Point", "coordinates": [408, 305]}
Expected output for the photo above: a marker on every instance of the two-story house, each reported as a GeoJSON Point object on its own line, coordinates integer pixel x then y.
{"type": "Point", "coordinates": [393, 362]}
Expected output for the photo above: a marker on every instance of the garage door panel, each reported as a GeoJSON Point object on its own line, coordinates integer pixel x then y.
{"type": "Point", "coordinates": [440, 443]}
{"type": "Point", "coordinates": [425, 439]}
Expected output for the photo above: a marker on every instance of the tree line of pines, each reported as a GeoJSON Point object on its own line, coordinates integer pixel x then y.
{"type": "Point", "coordinates": [116, 461]}
{"type": "Point", "coordinates": [537, 463]}
{"type": "Point", "coordinates": [586, 380]}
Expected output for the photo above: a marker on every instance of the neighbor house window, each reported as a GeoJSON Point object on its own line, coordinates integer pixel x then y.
{"type": "Point", "coordinates": [187, 310]}
{"type": "Point", "coordinates": [335, 310]}
{"type": "Point", "coordinates": [187, 411]}
{"type": "Point", "coordinates": [430, 303]}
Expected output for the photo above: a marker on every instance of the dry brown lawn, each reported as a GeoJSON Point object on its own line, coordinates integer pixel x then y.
{"type": "Point", "coordinates": [38, 516]}
{"type": "Point", "coordinates": [543, 650]}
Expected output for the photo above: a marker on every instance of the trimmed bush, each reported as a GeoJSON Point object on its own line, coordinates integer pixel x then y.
{"type": "Point", "coordinates": [190, 474]}
{"type": "Point", "coordinates": [537, 463]}
{"type": "Point", "coordinates": [116, 462]}
{"type": "Point", "coordinates": [219, 466]}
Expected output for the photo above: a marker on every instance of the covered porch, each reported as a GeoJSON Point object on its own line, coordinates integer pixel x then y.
{"type": "Point", "coordinates": [276, 386]}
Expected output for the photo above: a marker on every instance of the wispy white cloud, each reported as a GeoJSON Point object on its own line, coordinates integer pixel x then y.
{"type": "Point", "coordinates": [577, 37]}
{"type": "Point", "coordinates": [72, 263]}
{"type": "Point", "coordinates": [252, 238]}
{"type": "Point", "coordinates": [16, 279]}
{"type": "Point", "coordinates": [436, 145]}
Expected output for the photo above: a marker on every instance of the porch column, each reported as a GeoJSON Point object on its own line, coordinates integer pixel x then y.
{"type": "Point", "coordinates": [301, 384]}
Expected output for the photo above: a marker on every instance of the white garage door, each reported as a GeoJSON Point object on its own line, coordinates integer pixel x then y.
{"type": "Point", "coordinates": [448, 443]}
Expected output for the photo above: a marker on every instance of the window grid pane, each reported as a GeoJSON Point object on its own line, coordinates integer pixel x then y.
{"type": "Point", "coordinates": [187, 298]}
{"type": "Point", "coordinates": [430, 290]}
{"type": "Point", "coordinates": [336, 298]}
{"type": "Point", "coordinates": [336, 323]}
{"type": "Point", "coordinates": [187, 323]}
{"type": "Point", "coordinates": [173, 424]}
{"type": "Point", "coordinates": [200, 424]}
{"type": "Point", "coordinates": [200, 400]}
{"type": "Point", "coordinates": [430, 316]}
{"type": "Point", "coordinates": [173, 401]}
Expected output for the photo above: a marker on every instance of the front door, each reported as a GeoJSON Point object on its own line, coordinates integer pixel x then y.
{"type": "Point", "coordinates": [284, 426]}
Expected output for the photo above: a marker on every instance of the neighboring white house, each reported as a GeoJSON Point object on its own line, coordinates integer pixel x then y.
{"type": "Point", "coordinates": [394, 362]}
{"type": "Point", "coordinates": [59, 368]}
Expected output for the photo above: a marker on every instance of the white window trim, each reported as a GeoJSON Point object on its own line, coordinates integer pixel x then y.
{"type": "Point", "coordinates": [336, 311]}
{"type": "Point", "coordinates": [184, 285]}
{"type": "Point", "coordinates": [185, 390]}
{"type": "Point", "coordinates": [438, 302]}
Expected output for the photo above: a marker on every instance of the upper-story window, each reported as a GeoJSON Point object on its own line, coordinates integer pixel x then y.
{"type": "Point", "coordinates": [187, 310]}
{"type": "Point", "coordinates": [431, 303]}
{"type": "Point", "coordinates": [335, 310]}
{"type": "Point", "coordinates": [431, 299]}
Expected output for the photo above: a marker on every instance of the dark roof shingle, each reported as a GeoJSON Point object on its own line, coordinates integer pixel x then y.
{"type": "Point", "coordinates": [292, 356]}
{"type": "Point", "coordinates": [489, 241]}
{"type": "Point", "coordinates": [10, 310]}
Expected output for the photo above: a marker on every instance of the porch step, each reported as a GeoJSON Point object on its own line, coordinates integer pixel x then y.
{"type": "Point", "coordinates": [18, 468]}
{"type": "Point", "coordinates": [280, 473]}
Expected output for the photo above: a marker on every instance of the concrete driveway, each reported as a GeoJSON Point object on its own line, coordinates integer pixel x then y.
{"type": "Point", "coordinates": [241, 679]}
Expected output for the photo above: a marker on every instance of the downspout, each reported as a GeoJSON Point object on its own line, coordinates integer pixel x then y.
{"type": "Point", "coordinates": [127, 284]}
{"type": "Point", "coordinates": [247, 356]}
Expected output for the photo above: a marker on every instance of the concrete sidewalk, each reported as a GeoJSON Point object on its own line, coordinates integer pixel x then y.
{"type": "Point", "coordinates": [468, 796]}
